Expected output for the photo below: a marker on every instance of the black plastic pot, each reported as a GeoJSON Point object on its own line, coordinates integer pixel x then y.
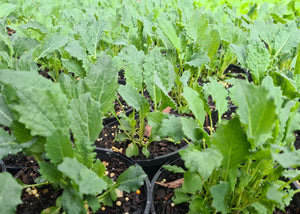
{"type": "Point", "coordinates": [158, 177]}
{"type": "Point", "coordinates": [105, 155]}
{"type": "Point", "coordinates": [2, 166]}
{"type": "Point", "coordinates": [235, 69]}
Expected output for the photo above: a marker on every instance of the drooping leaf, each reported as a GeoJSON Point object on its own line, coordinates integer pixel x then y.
{"type": "Point", "coordinates": [219, 193]}
{"type": "Point", "coordinates": [86, 118]}
{"type": "Point", "coordinates": [195, 104]}
{"type": "Point", "coordinates": [58, 146]}
{"type": "Point", "coordinates": [6, 117]}
{"type": "Point", "coordinates": [82, 176]}
{"type": "Point", "coordinates": [232, 143]}
{"type": "Point", "coordinates": [131, 179]}
{"type": "Point", "coordinates": [102, 82]}
{"type": "Point", "coordinates": [50, 44]}
{"type": "Point", "coordinates": [256, 110]}
{"type": "Point", "coordinates": [10, 193]}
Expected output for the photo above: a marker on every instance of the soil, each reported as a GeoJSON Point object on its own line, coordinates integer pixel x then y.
{"type": "Point", "coordinates": [130, 202]}
{"type": "Point", "coordinates": [157, 148]}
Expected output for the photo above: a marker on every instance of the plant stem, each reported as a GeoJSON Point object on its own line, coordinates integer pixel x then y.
{"type": "Point", "coordinates": [35, 185]}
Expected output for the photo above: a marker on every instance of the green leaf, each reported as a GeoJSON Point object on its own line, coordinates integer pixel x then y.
{"type": "Point", "coordinates": [189, 126]}
{"type": "Point", "coordinates": [80, 174]}
{"type": "Point", "coordinates": [51, 210]}
{"type": "Point", "coordinates": [219, 193]}
{"type": "Point", "coordinates": [74, 66]}
{"type": "Point", "coordinates": [192, 182]}
{"type": "Point", "coordinates": [173, 168]}
{"type": "Point", "coordinates": [76, 50]}
{"type": "Point", "coordinates": [6, 117]}
{"type": "Point", "coordinates": [70, 87]}
{"type": "Point", "coordinates": [256, 110]}
{"type": "Point", "coordinates": [58, 146]}
{"type": "Point", "coordinates": [198, 59]}
{"type": "Point", "coordinates": [276, 195]}
{"type": "Point", "coordinates": [84, 152]}
{"type": "Point", "coordinates": [43, 111]}
{"type": "Point", "coordinates": [99, 168]}
{"type": "Point", "coordinates": [219, 95]}
{"type": "Point", "coordinates": [102, 82]}
{"type": "Point", "coordinates": [72, 201]}
{"type": "Point", "coordinates": [197, 26]}
{"type": "Point", "coordinates": [180, 196]}
{"type": "Point", "coordinates": [203, 162]}
{"type": "Point", "coordinates": [195, 104]}
{"type": "Point", "coordinates": [10, 193]}
{"type": "Point", "coordinates": [86, 118]}
{"type": "Point", "coordinates": [297, 65]}
{"type": "Point", "coordinates": [132, 150]}
{"type": "Point", "coordinates": [50, 172]}
{"type": "Point", "coordinates": [232, 143]}
{"type": "Point", "coordinates": [198, 204]}
{"type": "Point", "coordinates": [169, 30]}
{"type": "Point", "coordinates": [286, 157]}
{"type": "Point", "coordinates": [131, 179]}
{"type": "Point", "coordinates": [51, 43]}
{"type": "Point", "coordinates": [6, 9]}
{"type": "Point", "coordinates": [131, 96]}
{"type": "Point", "coordinates": [212, 42]}
{"type": "Point", "coordinates": [93, 202]}
{"type": "Point", "coordinates": [172, 128]}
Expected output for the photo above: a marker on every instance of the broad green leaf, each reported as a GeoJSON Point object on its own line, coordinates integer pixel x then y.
{"type": "Point", "coordinates": [203, 162]}
{"type": "Point", "coordinates": [219, 193]}
{"type": "Point", "coordinates": [189, 126]}
{"type": "Point", "coordinates": [50, 172]}
{"type": "Point", "coordinates": [8, 144]}
{"type": "Point", "coordinates": [133, 65]}
{"type": "Point", "coordinates": [36, 26]}
{"type": "Point", "coordinates": [93, 202]}
{"type": "Point", "coordinates": [198, 204]}
{"type": "Point", "coordinates": [219, 95]}
{"type": "Point", "coordinates": [74, 66]}
{"type": "Point", "coordinates": [72, 201]}
{"type": "Point", "coordinates": [6, 117]}
{"type": "Point", "coordinates": [132, 150]}
{"type": "Point", "coordinates": [212, 42]}
{"type": "Point", "coordinates": [198, 59]}
{"type": "Point", "coordinates": [21, 44]}
{"type": "Point", "coordinates": [169, 30]}
{"type": "Point", "coordinates": [131, 96]}
{"type": "Point", "coordinates": [192, 182]}
{"type": "Point", "coordinates": [132, 179]}
{"type": "Point", "coordinates": [99, 168]}
{"type": "Point", "coordinates": [195, 104]}
{"type": "Point", "coordinates": [50, 44]}
{"type": "Point", "coordinates": [180, 196]}
{"type": "Point", "coordinates": [71, 88]}
{"type": "Point", "coordinates": [86, 118]}
{"type": "Point", "coordinates": [276, 195]}
{"type": "Point", "coordinates": [256, 110]}
{"type": "Point", "coordinates": [82, 176]}
{"type": "Point", "coordinates": [102, 82]}
{"type": "Point", "coordinates": [197, 26]}
{"type": "Point", "coordinates": [286, 157]}
{"type": "Point", "coordinates": [10, 193]}
{"type": "Point", "coordinates": [84, 151]}
{"type": "Point", "coordinates": [261, 209]}
{"type": "Point", "coordinates": [232, 143]}
{"type": "Point", "coordinates": [286, 84]}
{"type": "Point", "coordinates": [76, 50]}
{"type": "Point", "coordinates": [43, 111]}
{"type": "Point", "coordinates": [172, 128]}
{"type": "Point", "coordinates": [58, 146]}
{"type": "Point", "coordinates": [6, 9]}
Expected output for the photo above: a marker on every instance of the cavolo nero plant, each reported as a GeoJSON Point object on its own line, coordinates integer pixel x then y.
{"type": "Point", "coordinates": [41, 115]}
{"type": "Point", "coordinates": [243, 167]}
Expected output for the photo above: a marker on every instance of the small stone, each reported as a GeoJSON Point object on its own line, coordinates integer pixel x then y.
{"type": "Point", "coordinates": [103, 208]}
{"type": "Point", "coordinates": [172, 204]}
{"type": "Point", "coordinates": [28, 190]}
{"type": "Point", "coordinates": [37, 195]}
{"type": "Point", "coordinates": [118, 203]}
{"type": "Point", "coordinates": [112, 174]}
{"type": "Point", "coordinates": [126, 199]}
{"type": "Point", "coordinates": [34, 191]}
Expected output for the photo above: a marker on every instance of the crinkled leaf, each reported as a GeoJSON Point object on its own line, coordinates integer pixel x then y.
{"type": "Point", "coordinates": [76, 50]}
{"type": "Point", "coordinates": [256, 110]}
{"type": "Point", "coordinates": [203, 162]}
{"type": "Point", "coordinates": [232, 143]}
{"type": "Point", "coordinates": [10, 193]}
{"type": "Point", "coordinates": [219, 193]}
{"type": "Point", "coordinates": [72, 201]}
{"type": "Point", "coordinates": [173, 168]}
{"type": "Point", "coordinates": [195, 104]}
{"type": "Point", "coordinates": [84, 151]}
{"type": "Point", "coordinates": [43, 111]}
{"type": "Point", "coordinates": [83, 176]}
{"type": "Point", "coordinates": [6, 117]}
{"type": "Point", "coordinates": [276, 195]}
{"type": "Point", "coordinates": [198, 59]}
{"type": "Point", "coordinates": [172, 128]}
{"type": "Point", "coordinates": [58, 146]}
{"type": "Point", "coordinates": [50, 172]}
{"type": "Point", "coordinates": [219, 95]}
{"type": "Point", "coordinates": [197, 26]}
{"type": "Point", "coordinates": [286, 157]}
{"type": "Point", "coordinates": [131, 179]}
{"type": "Point", "coordinates": [102, 82]}
{"type": "Point", "coordinates": [74, 66]}
{"type": "Point", "coordinates": [86, 118]}
{"type": "Point", "coordinates": [51, 43]}
{"type": "Point", "coordinates": [71, 88]}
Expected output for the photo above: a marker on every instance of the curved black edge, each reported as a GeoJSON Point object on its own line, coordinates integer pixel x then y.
{"type": "Point", "coordinates": [237, 69]}
{"type": "Point", "coordinates": [161, 172]}
{"type": "Point", "coordinates": [3, 168]}
{"type": "Point", "coordinates": [106, 153]}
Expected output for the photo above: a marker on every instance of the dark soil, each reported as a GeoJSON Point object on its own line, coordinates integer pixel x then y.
{"type": "Point", "coordinates": [157, 148]}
